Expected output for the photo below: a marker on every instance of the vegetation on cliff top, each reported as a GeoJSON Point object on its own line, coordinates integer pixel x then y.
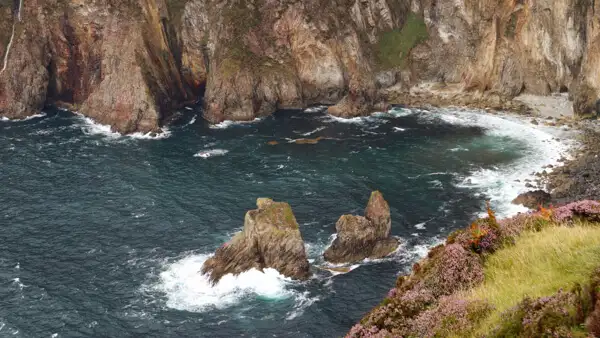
{"type": "Point", "coordinates": [540, 264]}
{"type": "Point", "coordinates": [535, 274]}
{"type": "Point", "coordinates": [395, 45]}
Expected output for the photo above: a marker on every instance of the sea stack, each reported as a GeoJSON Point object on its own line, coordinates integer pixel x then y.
{"type": "Point", "coordinates": [270, 239]}
{"type": "Point", "coordinates": [361, 237]}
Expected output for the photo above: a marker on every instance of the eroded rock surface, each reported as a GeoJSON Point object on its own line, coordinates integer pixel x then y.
{"type": "Point", "coordinates": [270, 239]}
{"type": "Point", "coordinates": [112, 61]}
{"type": "Point", "coordinates": [361, 237]}
{"type": "Point", "coordinates": [533, 199]}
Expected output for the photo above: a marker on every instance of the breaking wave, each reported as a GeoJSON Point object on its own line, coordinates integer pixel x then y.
{"type": "Point", "coordinates": [503, 183]}
{"type": "Point", "coordinates": [187, 289]}
{"type": "Point", "coordinates": [211, 153]}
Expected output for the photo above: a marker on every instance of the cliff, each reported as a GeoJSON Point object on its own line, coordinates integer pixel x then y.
{"type": "Point", "coordinates": [112, 61]}
{"type": "Point", "coordinates": [131, 63]}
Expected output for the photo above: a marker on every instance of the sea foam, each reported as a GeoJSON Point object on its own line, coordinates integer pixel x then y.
{"type": "Point", "coordinates": [211, 153]}
{"type": "Point", "coordinates": [503, 183]}
{"type": "Point", "coordinates": [35, 116]}
{"type": "Point", "coordinates": [187, 289]}
{"type": "Point", "coordinates": [91, 127]}
{"type": "Point", "coordinates": [228, 123]}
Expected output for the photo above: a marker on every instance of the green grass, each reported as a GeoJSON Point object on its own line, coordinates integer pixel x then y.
{"type": "Point", "coordinates": [539, 264]}
{"type": "Point", "coordinates": [394, 46]}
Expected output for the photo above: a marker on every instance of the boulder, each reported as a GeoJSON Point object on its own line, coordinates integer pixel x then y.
{"type": "Point", "coordinates": [270, 239]}
{"type": "Point", "coordinates": [533, 199]}
{"type": "Point", "coordinates": [361, 237]}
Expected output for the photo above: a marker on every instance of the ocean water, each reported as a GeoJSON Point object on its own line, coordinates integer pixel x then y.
{"type": "Point", "coordinates": [104, 235]}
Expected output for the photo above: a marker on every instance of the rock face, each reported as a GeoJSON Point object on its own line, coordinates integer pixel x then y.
{"type": "Point", "coordinates": [270, 239]}
{"type": "Point", "coordinates": [130, 63]}
{"type": "Point", "coordinates": [361, 237]}
{"type": "Point", "coordinates": [510, 47]}
{"type": "Point", "coordinates": [533, 199]}
{"type": "Point", "coordinates": [112, 61]}
{"type": "Point", "coordinates": [265, 55]}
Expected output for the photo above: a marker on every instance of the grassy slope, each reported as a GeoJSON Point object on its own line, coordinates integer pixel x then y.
{"type": "Point", "coordinates": [538, 265]}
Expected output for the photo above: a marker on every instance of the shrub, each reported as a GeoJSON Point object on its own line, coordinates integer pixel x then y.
{"type": "Point", "coordinates": [452, 270]}
{"type": "Point", "coordinates": [587, 210]}
{"type": "Point", "coordinates": [553, 316]}
{"type": "Point", "coordinates": [395, 312]}
{"type": "Point", "coordinates": [593, 321]}
{"type": "Point", "coordinates": [451, 317]}
{"type": "Point", "coordinates": [483, 236]}
{"type": "Point", "coordinates": [358, 331]}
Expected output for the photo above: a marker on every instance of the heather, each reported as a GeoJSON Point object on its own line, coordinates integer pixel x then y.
{"type": "Point", "coordinates": [558, 315]}
{"type": "Point", "coordinates": [452, 316]}
{"type": "Point", "coordinates": [526, 276]}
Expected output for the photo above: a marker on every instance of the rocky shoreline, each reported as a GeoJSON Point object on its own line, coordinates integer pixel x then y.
{"type": "Point", "coordinates": [579, 178]}
{"type": "Point", "coordinates": [427, 302]}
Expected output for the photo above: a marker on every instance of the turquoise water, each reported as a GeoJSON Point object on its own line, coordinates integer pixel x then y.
{"type": "Point", "coordinates": [103, 235]}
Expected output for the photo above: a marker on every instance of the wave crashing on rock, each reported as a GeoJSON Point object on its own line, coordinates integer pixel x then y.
{"type": "Point", "coordinates": [270, 239]}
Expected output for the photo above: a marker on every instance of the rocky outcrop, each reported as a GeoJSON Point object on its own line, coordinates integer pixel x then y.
{"type": "Point", "coordinates": [361, 237]}
{"type": "Point", "coordinates": [533, 199]}
{"type": "Point", "coordinates": [270, 239]}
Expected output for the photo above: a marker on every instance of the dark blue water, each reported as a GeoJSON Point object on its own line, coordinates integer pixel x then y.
{"type": "Point", "coordinates": [103, 235]}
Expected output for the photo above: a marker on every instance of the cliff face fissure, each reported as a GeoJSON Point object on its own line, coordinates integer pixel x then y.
{"type": "Point", "coordinates": [250, 57]}
{"type": "Point", "coordinates": [6, 54]}
{"type": "Point", "coordinates": [12, 36]}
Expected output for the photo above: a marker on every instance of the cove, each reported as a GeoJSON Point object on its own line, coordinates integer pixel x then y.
{"type": "Point", "coordinates": [104, 235]}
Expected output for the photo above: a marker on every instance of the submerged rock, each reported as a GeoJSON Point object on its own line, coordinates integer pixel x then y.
{"type": "Point", "coordinates": [533, 199]}
{"type": "Point", "coordinates": [308, 140]}
{"type": "Point", "coordinates": [361, 237]}
{"type": "Point", "coordinates": [270, 239]}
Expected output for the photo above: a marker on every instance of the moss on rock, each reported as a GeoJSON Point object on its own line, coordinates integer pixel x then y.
{"type": "Point", "coordinates": [394, 46]}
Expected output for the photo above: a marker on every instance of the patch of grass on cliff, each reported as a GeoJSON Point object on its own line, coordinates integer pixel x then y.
{"type": "Point", "coordinates": [394, 46]}
{"type": "Point", "coordinates": [538, 265]}
{"type": "Point", "coordinates": [176, 9]}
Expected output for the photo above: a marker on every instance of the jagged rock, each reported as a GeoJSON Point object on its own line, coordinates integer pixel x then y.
{"type": "Point", "coordinates": [270, 239]}
{"type": "Point", "coordinates": [533, 199]}
{"type": "Point", "coordinates": [361, 237]}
